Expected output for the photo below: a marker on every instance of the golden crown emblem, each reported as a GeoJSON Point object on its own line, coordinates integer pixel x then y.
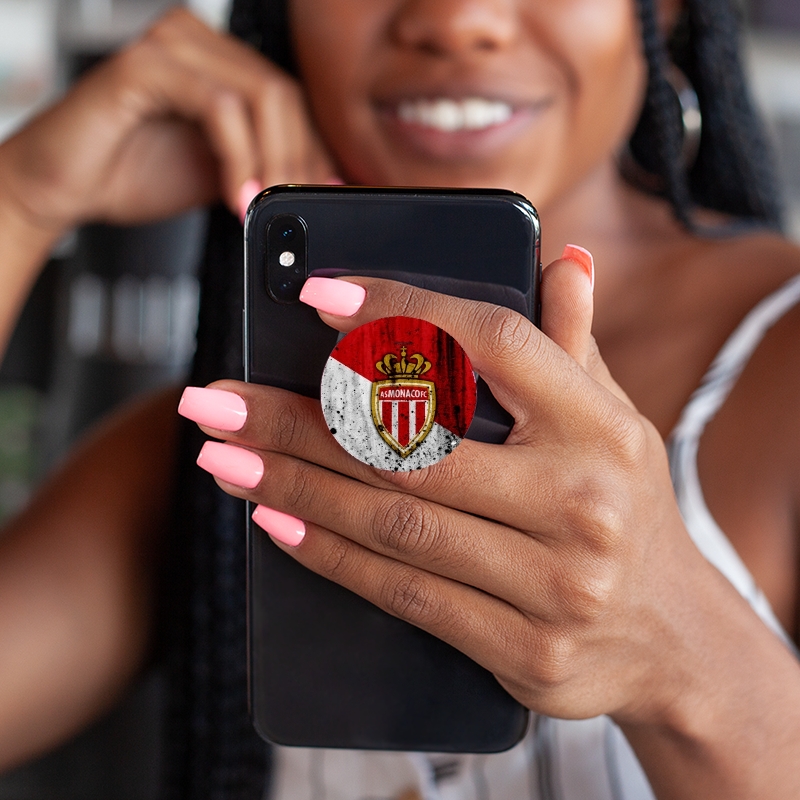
{"type": "Point", "coordinates": [411, 367]}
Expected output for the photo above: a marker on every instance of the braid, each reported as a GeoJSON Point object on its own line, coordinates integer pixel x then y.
{"type": "Point", "coordinates": [732, 173]}
{"type": "Point", "coordinates": [656, 143]}
{"type": "Point", "coordinates": [212, 751]}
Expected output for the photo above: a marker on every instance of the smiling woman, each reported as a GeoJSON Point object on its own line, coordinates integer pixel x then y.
{"type": "Point", "coordinates": [546, 89]}
{"type": "Point", "coordinates": [646, 632]}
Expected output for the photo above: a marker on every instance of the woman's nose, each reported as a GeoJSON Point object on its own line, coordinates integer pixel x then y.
{"type": "Point", "coordinates": [450, 27]}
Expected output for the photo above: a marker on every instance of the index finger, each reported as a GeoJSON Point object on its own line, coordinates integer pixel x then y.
{"type": "Point", "coordinates": [522, 366]}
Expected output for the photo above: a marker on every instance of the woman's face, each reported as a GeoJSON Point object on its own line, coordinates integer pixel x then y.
{"type": "Point", "coordinates": [530, 95]}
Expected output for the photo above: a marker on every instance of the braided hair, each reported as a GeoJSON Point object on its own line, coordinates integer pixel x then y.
{"type": "Point", "coordinates": [211, 748]}
{"type": "Point", "coordinates": [733, 172]}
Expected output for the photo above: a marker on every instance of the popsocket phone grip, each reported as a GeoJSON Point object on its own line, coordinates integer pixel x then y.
{"type": "Point", "coordinates": [398, 393]}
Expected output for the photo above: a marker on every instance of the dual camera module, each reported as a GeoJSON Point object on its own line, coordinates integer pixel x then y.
{"type": "Point", "coordinates": [287, 243]}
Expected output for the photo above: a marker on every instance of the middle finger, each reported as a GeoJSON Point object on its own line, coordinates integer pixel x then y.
{"type": "Point", "coordinates": [501, 561]}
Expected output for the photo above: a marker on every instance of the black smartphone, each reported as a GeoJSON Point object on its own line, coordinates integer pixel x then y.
{"type": "Point", "coordinates": [327, 668]}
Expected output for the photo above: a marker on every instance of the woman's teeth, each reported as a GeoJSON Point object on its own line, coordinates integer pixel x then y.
{"type": "Point", "coordinates": [448, 115]}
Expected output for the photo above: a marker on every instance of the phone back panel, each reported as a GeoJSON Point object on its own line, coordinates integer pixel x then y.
{"type": "Point", "coordinates": [327, 668]}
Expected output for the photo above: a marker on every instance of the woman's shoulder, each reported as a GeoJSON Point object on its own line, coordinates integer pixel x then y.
{"type": "Point", "coordinates": [735, 273]}
{"type": "Point", "coordinates": [749, 458]}
{"type": "Point", "coordinates": [752, 255]}
{"type": "Point", "coordinates": [765, 252]}
{"type": "Point", "coordinates": [760, 272]}
{"type": "Point", "coordinates": [698, 291]}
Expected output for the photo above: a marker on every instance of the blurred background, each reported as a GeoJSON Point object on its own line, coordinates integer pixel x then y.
{"type": "Point", "coordinates": [114, 314]}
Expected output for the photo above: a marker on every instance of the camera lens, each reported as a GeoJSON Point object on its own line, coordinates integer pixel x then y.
{"type": "Point", "coordinates": [286, 255]}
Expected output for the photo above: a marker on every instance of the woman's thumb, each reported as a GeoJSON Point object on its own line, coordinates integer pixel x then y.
{"type": "Point", "coordinates": [567, 310]}
{"type": "Point", "coordinates": [567, 302]}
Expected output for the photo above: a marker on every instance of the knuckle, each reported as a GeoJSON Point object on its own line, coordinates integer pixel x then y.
{"type": "Point", "coordinates": [507, 333]}
{"type": "Point", "coordinates": [596, 507]}
{"type": "Point", "coordinates": [628, 438]}
{"type": "Point", "coordinates": [288, 426]}
{"type": "Point", "coordinates": [407, 300]}
{"type": "Point", "coordinates": [588, 593]}
{"type": "Point", "coordinates": [406, 525]}
{"type": "Point", "coordinates": [131, 72]}
{"type": "Point", "coordinates": [334, 559]}
{"type": "Point", "coordinates": [517, 638]}
{"type": "Point", "coordinates": [299, 491]}
{"type": "Point", "coordinates": [551, 665]}
{"type": "Point", "coordinates": [412, 598]}
{"type": "Point", "coordinates": [594, 514]}
{"type": "Point", "coordinates": [428, 481]}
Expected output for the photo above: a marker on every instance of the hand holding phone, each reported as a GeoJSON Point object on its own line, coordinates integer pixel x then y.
{"type": "Point", "coordinates": [542, 558]}
{"type": "Point", "coordinates": [349, 674]}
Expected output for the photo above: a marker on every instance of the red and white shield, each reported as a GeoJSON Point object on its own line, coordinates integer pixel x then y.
{"type": "Point", "coordinates": [398, 393]}
{"type": "Point", "coordinates": [403, 412]}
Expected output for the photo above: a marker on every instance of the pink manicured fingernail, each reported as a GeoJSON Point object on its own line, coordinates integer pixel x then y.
{"type": "Point", "coordinates": [232, 464]}
{"type": "Point", "coordinates": [249, 190]}
{"type": "Point", "coordinates": [283, 527]}
{"type": "Point", "coordinates": [334, 296]}
{"type": "Point", "coordinates": [216, 408]}
{"type": "Point", "coordinates": [580, 255]}
{"type": "Point", "coordinates": [334, 180]}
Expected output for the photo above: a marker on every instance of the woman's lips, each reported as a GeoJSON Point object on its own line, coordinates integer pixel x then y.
{"type": "Point", "coordinates": [453, 129]}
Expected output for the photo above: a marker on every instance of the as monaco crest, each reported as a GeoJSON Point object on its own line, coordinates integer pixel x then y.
{"type": "Point", "coordinates": [403, 407]}
{"type": "Point", "coordinates": [398, 393]}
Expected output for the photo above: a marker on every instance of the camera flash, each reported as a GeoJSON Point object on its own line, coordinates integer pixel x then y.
{"type": "Point", "coordinates": [286, 258]}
